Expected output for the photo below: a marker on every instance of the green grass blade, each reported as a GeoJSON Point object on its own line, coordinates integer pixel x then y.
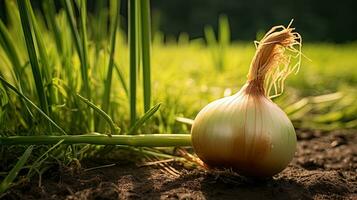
{"type": "Point", "coordinates": [11, 87]}
{"type": "Point", "coordinates": [80, 40]}
{"type": "Point", "coordinates": [81, 46]}
{"type": "Point", "coordinates": [138, 37]}
{"type": "Point", "coordinates": [9, 46]}
{"type": "Point", "coordinates": [4, 101]}
{"type": "Point", "coordinates": [85, 62]}
{"type": "Point", "coordinates": [144, 140]}
{"type": "Point", "coordinates": [72, 22]}
{"type": "Point", "coordinates": [224, 33]}
{"type": "Point", "coordinates": [132, 58]}
{"type": "Point", "coordinates": [47, 69]}
{"type": "Point", "coordinates": [114, 128]}
{"type": "Point", "coordinates": [122, 79]}
{"type": "Point", "coordinates": [6, 183]}
{"type": "Point", "coordinates": [12, 17]}
{"type": "Point", "coordinates": [223, 39]}
{"type": "Point", "coordinates": [32, 55]}
{"type": "Point", "coordinates": [144, 118]}
{"type": "Point", "coordinates": [101, 22]}
{"type": "Point", "coordinates": [50, 16]}
{"type": "Point", "coordinates": [210, 36]}
{"type": "Point", "coordinates": [38, 161]}
{"type": "Point", "coordinates": [39, 37]}
{"type": "Point", "coordinates": [146, 47]}
{"type": "Point", "coordinates": [108, 81]}
{"type": "Point", "coordinates": [212, 45]}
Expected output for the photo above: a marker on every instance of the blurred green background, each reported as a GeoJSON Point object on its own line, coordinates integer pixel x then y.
{"type": "Point", "coordinates": [317, 20]}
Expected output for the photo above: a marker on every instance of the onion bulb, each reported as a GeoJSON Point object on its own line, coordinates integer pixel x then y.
{"type": "Point", "coordinates": [247, 132]}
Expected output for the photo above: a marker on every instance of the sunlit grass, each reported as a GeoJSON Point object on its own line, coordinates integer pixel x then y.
{"type": "Point", "coordinates": [184, 79]}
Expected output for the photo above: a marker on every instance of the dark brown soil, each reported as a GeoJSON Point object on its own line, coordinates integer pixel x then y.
{"type": "Point", "coordinates": [324, 167]}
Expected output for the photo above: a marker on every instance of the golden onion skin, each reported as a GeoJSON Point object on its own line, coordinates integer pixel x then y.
{"type": "Point", "coordinates": [248, 133]}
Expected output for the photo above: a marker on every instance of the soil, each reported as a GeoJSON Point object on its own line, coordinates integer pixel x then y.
{"type": "Point", "coordinates": [324, 167]}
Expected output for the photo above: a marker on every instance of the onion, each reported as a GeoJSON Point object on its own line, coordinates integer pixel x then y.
{"type": "Point", "coordinates": [247, 131]}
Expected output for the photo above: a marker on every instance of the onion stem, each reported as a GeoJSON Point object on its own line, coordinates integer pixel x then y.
{"type": "Point", "coordinates": [147, 140]}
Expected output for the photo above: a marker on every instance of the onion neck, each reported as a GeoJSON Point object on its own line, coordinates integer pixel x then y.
{"type": "Point", "coordinates": [255, 87]}
{"type": "Point", "coordinates": [269, 54]}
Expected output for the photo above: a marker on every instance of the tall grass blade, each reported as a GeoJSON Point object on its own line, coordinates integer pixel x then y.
{"type": "Point", "coordinates": [50, 16]}
{"type": "Point", "coordinates": [108, 81]}
{"type": "Point", "coordinates": [38, 35]}
{"type": "Point", "coordinates": [138, 37]}
{"type": "Point", "coordinates": [218, 46]}
{"type": "Point", "coordinates": [212, 44]}
{"type": "Point", "coordinates": [6, 183]}
{"type": "Point", "coordinates": [32, 55]}
{"type": "Point", "coordinates": [101, 22]}
{"type": "Point", "coordinates": [43, 55]}
{"type": "Point", "coordinates": [72, 22]}
{"type": "Point", "coordinates": [85, 61]}
{"type": "Point", "coordinates": [8, 44]}
{"type": "Point", "coordinates": [132, 58]}
{"type": "Point", "coordinates": [224, 36]}
{"type": "Point", "coordinates": [145, 51]}
{"type": "Point", "coordinates": [122, 79]}
{"type": "Point", "coordinates": [81, 46]}
{"type": "Point", "coordinates": [224, 32]}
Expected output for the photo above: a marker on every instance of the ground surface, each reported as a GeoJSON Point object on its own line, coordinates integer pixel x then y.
{"type": "Point", "coordinates": [325, 167]}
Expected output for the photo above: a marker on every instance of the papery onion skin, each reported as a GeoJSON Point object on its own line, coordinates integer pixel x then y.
{"type": "Point", "coordinates": [247, 133]}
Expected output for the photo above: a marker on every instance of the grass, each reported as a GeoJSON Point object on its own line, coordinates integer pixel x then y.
{"type": "Point", "coordinates": [27, 100]}
{"type": "Point", "coordinates": [145, 52]}
{"type": "Point", "coordinates": [218, 46]}
{"type": "Point", "coordinates": [58, 69]}
{"type": "Point", "coordinates": [6, 183]}
{"type": "Point", "coordinates": [133, 48]}
{"type": "Point", "coordinates": [113, 30]}
{"type": "Point", "coordinates": [26, 20]}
